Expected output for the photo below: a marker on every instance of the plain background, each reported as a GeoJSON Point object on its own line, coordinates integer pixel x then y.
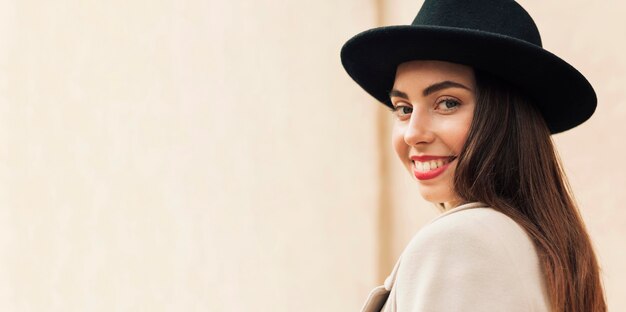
{"type": "Point", "coordinates": [185, 155]}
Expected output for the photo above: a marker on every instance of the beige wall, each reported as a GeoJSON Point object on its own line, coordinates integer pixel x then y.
{"type": "Point", "coordinates": [214, 156]}
{"type": "Point", "coordinates": [184, 156]}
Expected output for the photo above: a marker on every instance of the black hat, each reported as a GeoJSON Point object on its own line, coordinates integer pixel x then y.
{"type": "Point", "coordinates": [495, 36]}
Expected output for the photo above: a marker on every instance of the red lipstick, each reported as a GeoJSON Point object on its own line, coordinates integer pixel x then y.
{"type": "Point", "coordinates": [430, 174]}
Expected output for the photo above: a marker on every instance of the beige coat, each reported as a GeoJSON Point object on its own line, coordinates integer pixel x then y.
{"type": "Point", "coordinates": [470, 258]}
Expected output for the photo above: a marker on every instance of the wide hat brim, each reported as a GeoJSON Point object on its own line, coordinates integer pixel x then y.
{"type": "Point", "coordinates": [562, 94]}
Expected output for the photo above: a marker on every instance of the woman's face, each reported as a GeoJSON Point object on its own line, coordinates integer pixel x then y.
{"type": "Point", "coordinates": [433, 107]}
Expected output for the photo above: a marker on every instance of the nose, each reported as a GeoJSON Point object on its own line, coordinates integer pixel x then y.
{"type": "Point", "coordinates": [418, 129]}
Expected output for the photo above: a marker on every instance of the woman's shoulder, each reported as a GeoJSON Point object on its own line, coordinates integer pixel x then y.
{"type": "Point", "coordinates": [481, 231]}
{"type": "Point", "coordinates": [475, 223]}
{"type": "Point", "coordinates": [471, 257]}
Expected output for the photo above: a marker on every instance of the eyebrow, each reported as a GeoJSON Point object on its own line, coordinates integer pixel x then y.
{"type": "Point", "coordinates": [431, 89]}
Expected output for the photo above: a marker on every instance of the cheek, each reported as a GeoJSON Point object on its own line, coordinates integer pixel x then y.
{"type": "Point", "coordinates": [399, 145]}
{"type": "Point", "coordinates": [455, 133]}
{"type": "Point", "coordinates": [457, 140]}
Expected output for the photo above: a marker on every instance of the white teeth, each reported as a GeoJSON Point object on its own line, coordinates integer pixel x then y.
{"type": "Point", "coordinates": [419, 166]}
{"type": "Point", "coordinates": [429, 165]}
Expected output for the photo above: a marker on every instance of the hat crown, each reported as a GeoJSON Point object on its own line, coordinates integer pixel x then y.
{"type": "Point", "coordinates": [503, 17]}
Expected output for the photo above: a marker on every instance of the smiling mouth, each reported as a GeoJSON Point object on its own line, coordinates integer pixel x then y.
{"type": "Point", "coordinates": [425, 166]}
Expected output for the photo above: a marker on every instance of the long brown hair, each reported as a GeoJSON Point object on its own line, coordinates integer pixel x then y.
{"type": "Point", "coordinates": [509, 163]}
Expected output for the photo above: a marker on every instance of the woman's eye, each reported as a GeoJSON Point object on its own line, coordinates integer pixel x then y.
{"type": "Point", "coordinates": [402, 110]}
{"type": "Point", "coordinates": [448, 104]}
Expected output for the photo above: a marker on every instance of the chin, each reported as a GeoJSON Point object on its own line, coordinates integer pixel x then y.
{"type": "Point", "coordinates": [435, 195]}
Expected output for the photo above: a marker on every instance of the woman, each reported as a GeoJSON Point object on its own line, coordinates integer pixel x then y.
{"type": "Point", "coordinates": [475, 99]}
